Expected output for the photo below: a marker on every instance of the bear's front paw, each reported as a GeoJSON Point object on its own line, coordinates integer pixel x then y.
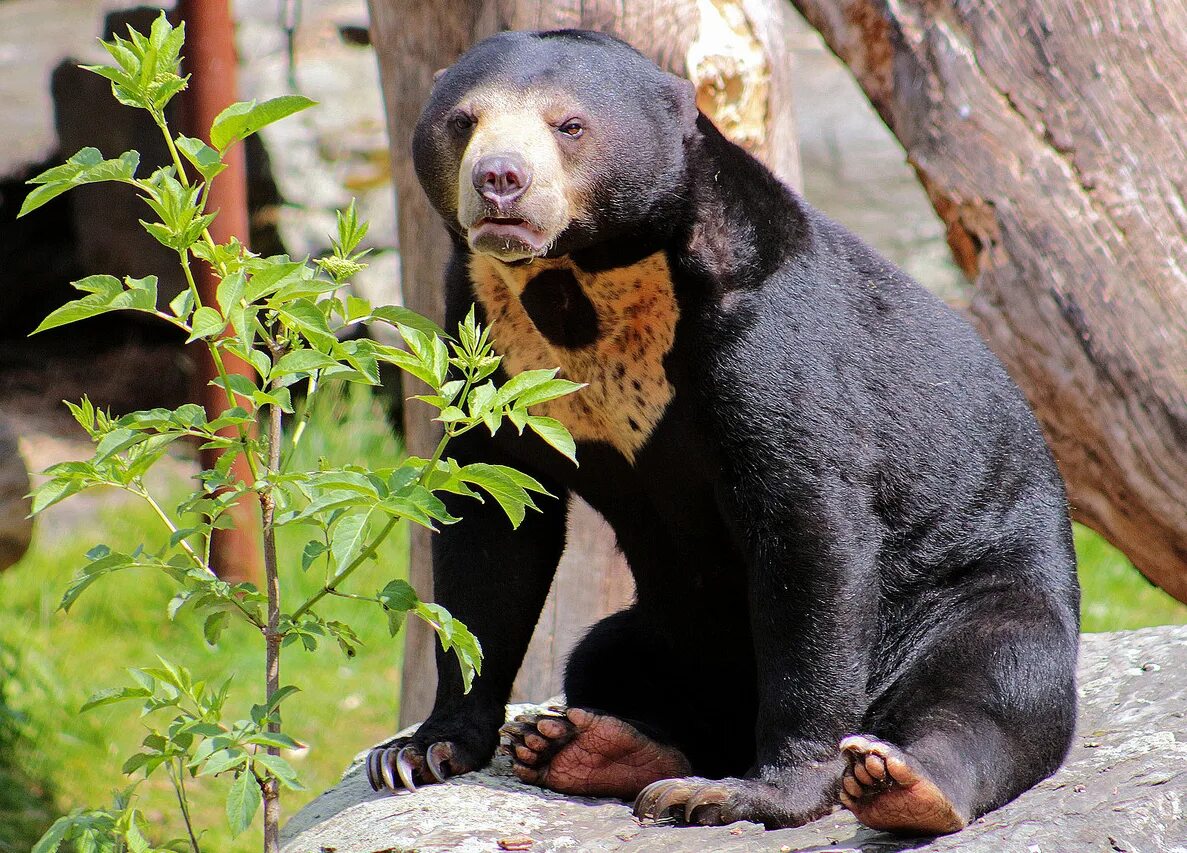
{"type": "Point", "coordinates": [439, 750]}
{"type": "Point", "coordinates": [693, 801]}
{"type": "Point", "coordinates": [404, 765]}
{"type": "Point", "coordinates": [690, 800]}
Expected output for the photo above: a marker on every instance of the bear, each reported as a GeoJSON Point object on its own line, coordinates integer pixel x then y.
{"type": "Point", "coordinates": [855, 579]}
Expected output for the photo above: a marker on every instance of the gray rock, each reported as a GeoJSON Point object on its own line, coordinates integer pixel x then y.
{"type": "Point", "coordinates": [1123, 788]}
{"type": "Point", "coordinates": [16, 529]}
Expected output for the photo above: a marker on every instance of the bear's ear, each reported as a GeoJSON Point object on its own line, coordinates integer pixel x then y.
{"type": "Point", "coordinates": [438, 74]}
{"type": "Point", "coordinates": [684, 97]}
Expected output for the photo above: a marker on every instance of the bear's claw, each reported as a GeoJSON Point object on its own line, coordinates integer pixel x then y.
{"type": "Point", "coordinates": [405, 762]}
{"type": "Point", "coordinates": [685, 796]}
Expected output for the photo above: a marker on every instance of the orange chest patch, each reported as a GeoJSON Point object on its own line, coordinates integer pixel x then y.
{"type": "Point", "coordinates": [610, 330]}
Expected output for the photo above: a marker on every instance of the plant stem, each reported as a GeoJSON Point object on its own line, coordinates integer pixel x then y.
{"type": "Point", "coordinates": [164, 516]}
{"type": "Point", "coordinates": [369, 551]}
{"type": "Point", "coordinates": [330, 587]}
{"type": "Point", "coordinates": [272, 634]}
{"type": "Point", "coordinates": [177, 777]}
{"type": "Point", "coordinates": [159, 118]}
{"type": "Point", "coordinates": [217, 357]}
{"type": "Point", "coordinates": [203, 564]}
{"type": "Point", "coordinates": [432, 465]}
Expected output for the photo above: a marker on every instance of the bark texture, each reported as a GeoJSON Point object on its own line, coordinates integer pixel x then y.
{"type": "Point", "coordinates": [737, 53]}
{"type": "Point", "coordinates": [1050, 136]}
{"type": "Point", "coordinates": [1124, 787]}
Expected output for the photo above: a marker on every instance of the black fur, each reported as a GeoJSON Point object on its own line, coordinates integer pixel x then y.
{"type": "Point", "coordinates": [560, 309]}
{"type": "Point", "coordinates": [847, 520]}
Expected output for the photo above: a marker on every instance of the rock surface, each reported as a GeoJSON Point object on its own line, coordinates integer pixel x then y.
{"type": "Point", "coordinates": [1123, 788]}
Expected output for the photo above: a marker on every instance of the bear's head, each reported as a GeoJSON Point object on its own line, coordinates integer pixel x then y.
{"type": "Point", "coordinates": [544, 143]}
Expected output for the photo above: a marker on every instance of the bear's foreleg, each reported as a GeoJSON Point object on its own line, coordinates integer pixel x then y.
{"type": "Point", "coordinates": [494, 579]}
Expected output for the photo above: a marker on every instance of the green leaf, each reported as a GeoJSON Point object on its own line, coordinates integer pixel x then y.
{"type": "Point", "coordinates": [546, 391]}
{"type": "Point", "coordinates": [347, 538]}
{"type": "Point", "coordinates": [112, 695]}
{"type": "Point", "coordinates": [350, 231]}
{"type": "Point", "coordinates": [117, 441]}
{"type": "Point", "coordinates": [454, 635]}
{"type": "Point", "coordinates": [237, 382]}
{"type": "Point", "coordinates": [301, 361]}
{"type": "Point", "coordinates": [279, 696]}
{"type": "Point", "coordinates": [205, 159]}
{"type": "Point", "coordinates": [242, 119]}
{"type": "Point", "coordinates": [357, 308]}
{"type": "Point", "coordinates": [85, 167]}
{"type": "Point", "coordinates": [270, 274]}
{"type": "Point", "coordinates": [524, 381]}
{"type": "Point", "coordinates": [243, 801]}
{"type": "Point", "coordinates": [504, 485]}
{"type": "Point", "coordinates": [418, 504]}
{"type": "Point", "coordinates": [220, 761]}
{"type": "Point", "coordinates": [554, 433]}
{"type": "Point", "coordinates": [398, 316]}
{"type": "Point", "coordinates": [279, 397]}
{"type": "Point", "coordinates": [309, 320]}
{"type": "Point", "coordinates": [276, 739]}
{"type": "Point", "coordinates": [52, 491]}
{"type": "Point", "coordinates": [207, 323]}
{"type": "Point", "coordinates": [106, 294]}
{"type": "Point", "coordinates": [51, 842]}
{"type": "Point", "coordinates": [398, 595]}
{"type": "Point", "coordinates": [230, 291]}
{"type": "Point", "coordinates": [182, 304]}
{"type": "Point", "coordinates": [281, 769]}
{"type": "Point", "coordinates": [314, 548]}
{"type": "Point", "coordinates": [212, 629]}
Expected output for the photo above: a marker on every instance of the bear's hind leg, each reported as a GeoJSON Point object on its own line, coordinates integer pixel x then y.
{"type": "Point", "coordinates": [984, 713]}
{"type": "Point", "coordinates": [589, 754]}
{"type": "Point", "coordinates": [632, 718]}
{"type": "Point", "coordinates": [886, 789]}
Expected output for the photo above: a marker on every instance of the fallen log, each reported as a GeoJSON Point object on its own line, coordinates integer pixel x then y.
{"type": "Point", "coordinates": [1049, 136]}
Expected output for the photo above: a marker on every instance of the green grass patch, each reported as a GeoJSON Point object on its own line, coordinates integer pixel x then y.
{"type": "Point", "coordinates": [1115, 595]}
{"type": "Point", "coordinates": [346, 704]}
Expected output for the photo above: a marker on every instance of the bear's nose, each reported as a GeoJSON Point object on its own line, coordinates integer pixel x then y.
{"type": "Point", "coordinates": [501, 178]}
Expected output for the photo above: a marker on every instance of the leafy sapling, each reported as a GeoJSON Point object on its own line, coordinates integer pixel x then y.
{"type": "Point", "coordinates": [290, 320]}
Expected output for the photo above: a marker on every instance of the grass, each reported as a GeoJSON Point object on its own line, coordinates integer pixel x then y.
{"type": "Point", "coordinates": [52, 759]}
{"type": "Point", "coordinates": [345, 704]}
{"type": "Point", "coordinates": [1115, 595]}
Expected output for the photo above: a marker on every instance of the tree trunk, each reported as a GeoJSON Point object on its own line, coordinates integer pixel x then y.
{"type": "Point", "coordinates": [1050, 136]}
{"type": "Point", "coordinates": [735, 50]}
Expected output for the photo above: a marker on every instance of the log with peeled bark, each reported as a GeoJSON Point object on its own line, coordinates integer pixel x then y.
{"type": "Point", "coordinates": [738, 53]}
{"type": "Point", "coordinates": [1051, 136]}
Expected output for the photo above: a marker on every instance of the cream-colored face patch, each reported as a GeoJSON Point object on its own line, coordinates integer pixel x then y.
{"type": "Point", "coordinates": [510, 122]}
{"type": "Point", "coordinates": [623, 366]}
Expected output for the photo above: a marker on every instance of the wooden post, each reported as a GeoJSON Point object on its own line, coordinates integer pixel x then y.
{"type": "Point", "coordinates": [735, 51]}
{"type": "Point", "coordinates": [1049, 135]}
{"type": "Point", "coordinates": [210, 57]}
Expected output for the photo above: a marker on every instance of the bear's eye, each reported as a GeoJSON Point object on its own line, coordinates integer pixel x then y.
{"type": "Point", "coordinates": [460, 122]}
{"type": "Point", "coordinates": [572, 128]}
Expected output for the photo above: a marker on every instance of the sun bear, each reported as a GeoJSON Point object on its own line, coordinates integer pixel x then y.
{"type": "Point", "coordinates": [851, 547]}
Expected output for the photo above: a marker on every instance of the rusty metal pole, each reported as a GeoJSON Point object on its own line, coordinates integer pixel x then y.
{"type": "Point", "coordinates": [210, 58]}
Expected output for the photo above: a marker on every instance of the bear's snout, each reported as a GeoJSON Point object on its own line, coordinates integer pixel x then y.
{"type": "Point", "coordinates": [501, 178]}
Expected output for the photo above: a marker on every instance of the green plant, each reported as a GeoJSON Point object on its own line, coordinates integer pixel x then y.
{"type": "Point", "coordinates": [284, 318]}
